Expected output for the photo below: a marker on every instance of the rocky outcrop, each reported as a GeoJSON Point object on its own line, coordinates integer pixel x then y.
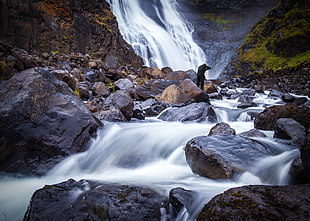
{"type": "Point", "coordinates": [222, 156]}
{"type": "Point", "coordinates": [195, 112]}
{"type": "Point", "coordinates": [66, 27]}
{"type": "Point", "coordinates": [222, 129]}
{"type": "Point", "coordinates": [290, 129]}
{"type": "Point", "coordinates": [266, 120]}
{"type": "Point", "coordinates": [42, 120]}
{"type": "Point", "coordinates": [89, 200]}
{"type": "Point", "coordinates": [259, 203]}
{"type": "Point", "coordinates": [276, 51]}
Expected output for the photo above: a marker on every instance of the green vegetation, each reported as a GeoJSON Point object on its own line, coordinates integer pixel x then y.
{"type": "Point", "coordinates": [277, 42]}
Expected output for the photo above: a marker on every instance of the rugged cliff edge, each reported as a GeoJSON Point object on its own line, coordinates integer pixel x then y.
{"type": "Point", "coordinates": [65, 26]}
{"type": "Point", "coordinates": [276, 52]}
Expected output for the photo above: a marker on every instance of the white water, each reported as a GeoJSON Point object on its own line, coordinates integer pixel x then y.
{"type": "Point", "coordinates": [151, 153]}
{"type": "Point", "coordinates": [158, 33]}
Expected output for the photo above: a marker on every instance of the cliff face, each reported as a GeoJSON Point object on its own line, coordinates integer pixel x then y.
{"type": "Point", "coordinates": [65, 26]}
{"type": "Point", "coordinates": [278, 48]}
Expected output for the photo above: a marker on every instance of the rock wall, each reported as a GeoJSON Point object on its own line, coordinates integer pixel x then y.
{"type": "Point", "coordinates": [65, 26]}
{"type": "Point", "coordinates": [276, 51]}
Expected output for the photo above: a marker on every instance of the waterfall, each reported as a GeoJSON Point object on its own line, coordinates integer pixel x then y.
{"type": "Point", "coordinates": [158, 33]}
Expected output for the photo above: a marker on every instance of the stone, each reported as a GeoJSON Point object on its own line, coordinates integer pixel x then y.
{"type": "Point", "coordinates": [287, 128]}
{"type": "Point", "coordinates": [113, 115]}
{"type": "Point", "coordinates": [173, 94]}
{"type": "Point", "coordinates": [151, 73]}
{"type": "Point", "coordinates": [176, 76]}
{"type": "Point", "coordinates": [305, 155]}
{"type": "Point", "coordinates": [221, 129]}
{"type": "Point", "coordinates": [151, 89]}
{"type": "Point", "coordinates": [122, 101]}
{"type": "Point", "coordinates": [100, 89]}
{"type": "Point", "coordinates": [195, 112]}
{"type": "Point", "coordinates": [193, 91]}
{"type": "Point", "coordinates": [259, 203]}
{"type": "Point", "coordinates": [223, 156]}
{"type": "Point", "coordinates": [253, 133]}
{"type": "Point", "coordinates": [42, 121]}
{"type": "Point", "coordinates": [124, 84]}
{"type": "Point", "coordinates": [209, 88]}
{"type": "Point", "coordinates": [266, 120]}
{"type": "Point", "coordinates": [90, 200]}
{"type": "Point", "coordinates": [181, 198]}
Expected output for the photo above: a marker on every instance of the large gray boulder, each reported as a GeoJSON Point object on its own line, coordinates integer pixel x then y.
{"type": "Point", "coordinates": [195, 112]}
{"type": "Point", "coordinates": [42, 120]}
{"type": "Point", "coordinates": [89, 200]}
{"type": "Point", "coordinates": [223, 156]}
{"type": "Point", "coordinates": [287, 128]}
{"type": "Point", "coordinates": [259, 203]}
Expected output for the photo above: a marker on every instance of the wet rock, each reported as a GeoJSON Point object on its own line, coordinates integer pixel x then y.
{"type": "Point", "coordinates": [275, 93]}
{"type": "Point", "coordinates": [122, 101]}
{"type": "Point", "coordinates": [193, 91]}
{"type": "Point", "coordinates": [196, 112]}
{"type": "Point", "coordinates": [222, 156]}
{"type": "Point", "coordinates": [151, 107]}
{"type": "Point", "coordinates": [253, 133]}
{"type": "Point", "coordinates": [176, 76]}
{"type": "Point", "coordinates": [266, 120]}
{"type": "Point", "coordinates": [151, 73]}
{"type": "Point", "coordinates": [83, 90]}
{"type": "Point", "coordinates": [305, 155]}
{"type": "Point", "coordinates": [112, 115]}
{"type": "Point", "coordinates": [297, 173]}
{"type": "Point", "coordinates": [259, 203]}
{"type": "Point", "coordinates": [89, 200]}
{"type": "Point", "coordinates": [100, 89]}
{"type": "Point", "coordinates": [209, 88]}
{"type": "Point", "coordinates": [166, 70]}
{"type": "Point", "coordinates": [173, 94]}
{"type": "Point", "coordinates": [181, 198]}
{"type": "Point", "coordinates": [300, 100]}
{"type": "Point", "coordinates": [123, 84]}
{"type": "Point", "coordinates": [64, 75]}
{"type": "Point", "coordinates": [41, 121]}
{"type": "Point", "coordinates": [289, 129]}
{"type": "Point", "coordinates": [247, 105]}
{"type": "Point", "coordinates": [152, 88]}
{"type": "Point", "coordinates": [221, 129]}
{"type": "Point", "coordinates": [287, 98]}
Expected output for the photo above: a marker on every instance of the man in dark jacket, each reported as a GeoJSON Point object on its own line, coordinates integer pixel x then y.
{"type": "Point", "coordinates": [201, 75]}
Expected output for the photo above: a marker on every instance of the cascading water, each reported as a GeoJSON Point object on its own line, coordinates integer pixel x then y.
{"type": "Point", "coordinates": [151, 153]}
{"type": "Point", "coordinates": [158, 33]}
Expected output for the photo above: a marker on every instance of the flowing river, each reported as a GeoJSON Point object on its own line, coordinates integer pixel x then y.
{"type": "Point", "coordinates": [151, 152]}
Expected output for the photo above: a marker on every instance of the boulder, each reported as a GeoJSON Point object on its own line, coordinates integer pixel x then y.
{"type": "Point", "coordinates": [287, 128]}
{"type": "Point", "coordinates": [151, 107]}
{"type": "Point", "coordinates": [122, 101]}
{"type": "Point", "coordinates": [152, 88]}
{"type": "Point", "coordinates": [266, 120]}
{"type": "Point", "coordinates": [176, 76]}
{"type": "Point", "coordinates": [181, 198]}
{"type": "Point", "coordinates": [196, 112]}
{"type": "Point", "coordinates": [100, 89]}
{"type": "Point", "coordinates": [305, 155]}
{"type": "Point", "coordinates": [113, 115]}
{"type": "Point", "coordinates": [221, 129]}
{"type": "Point", "coordinates": [259, 203]}
{"type": "Point", "coordinates": [209, 87]}
{"type": "Point", "coordinates": [223, 156]}
{"type": "Point", "coordinates": [193, 91]}
{"type": "Point", "coordinates": [123, 84]}
{"type": "Point", "coordinates": [90, 200]}
{"type": "Point", "coordinates": [41, 121]}
{"type": "Point", "coordinates": [253, 133]}
{"type": "Point", "coordinates": [151, 73]}
{"type": "Point", "coordinates": [173, 94]}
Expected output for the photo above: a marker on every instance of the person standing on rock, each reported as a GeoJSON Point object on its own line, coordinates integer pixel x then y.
{"type": "Point", "coordinates": [201, 75]}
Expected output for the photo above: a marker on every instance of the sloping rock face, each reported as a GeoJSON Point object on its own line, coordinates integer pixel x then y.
{"type": "Point", "coordinates": [222, 156]}
{"type": "Point", "coordinates": [267, 119]}
{"type": "Point", "coordinates": [41, 121]}
{"type": "Point", "coordinates": [276, 51]}
{"type": "Point", "coordinates": [259, 203]}
{"type": "Point", "coordinates": [89, 200]}
{"type": "Point", "coordinates": [65, 26]}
